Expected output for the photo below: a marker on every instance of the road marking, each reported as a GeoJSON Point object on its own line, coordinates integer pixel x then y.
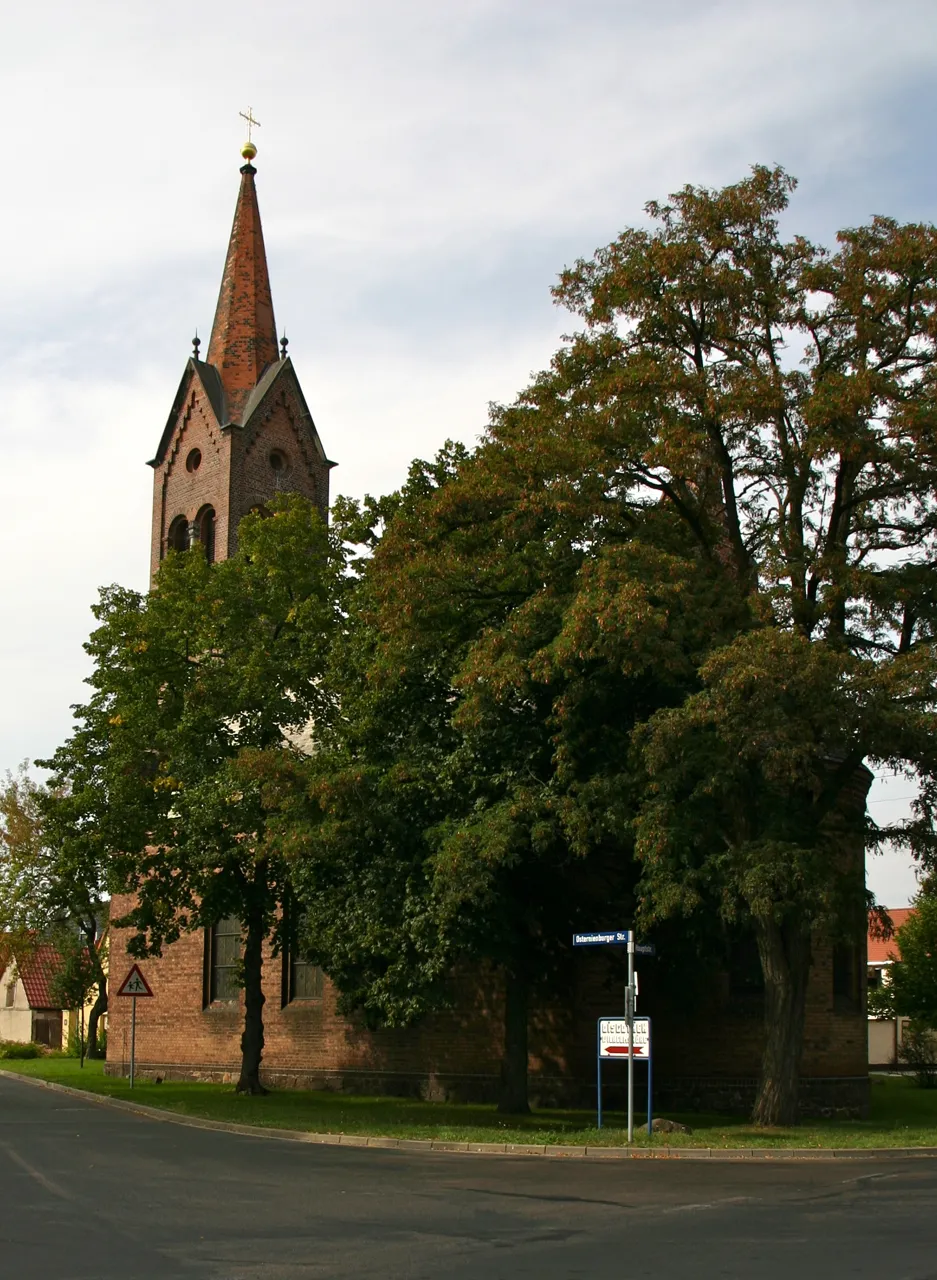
{"type": "Point", "coordinates": [709, 1204]}
{"type": "Point", "coordinates": [46, 1183]}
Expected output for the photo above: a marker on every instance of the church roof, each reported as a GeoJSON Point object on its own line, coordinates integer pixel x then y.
{"type": "Point", "coordinates": [243, 339]}
{"type": "Point", "coordinates": [214, 390]}
{"type": "Point", "coordinates": [282, 371]}
{"type": "Point", "coordinates": [244, 363]}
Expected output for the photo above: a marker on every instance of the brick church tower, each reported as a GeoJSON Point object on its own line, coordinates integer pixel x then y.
{"type": "Point", "coordinates": [239, 430]}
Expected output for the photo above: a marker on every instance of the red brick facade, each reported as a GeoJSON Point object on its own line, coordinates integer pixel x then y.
{"type": "Point", "coordinates": [242, 415]}
{"type": "Point", "coordinates": [709, 1056]}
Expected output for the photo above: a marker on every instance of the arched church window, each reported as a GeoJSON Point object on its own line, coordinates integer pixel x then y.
{"type": "Point", "coordinates": [178, 538]}
{"type": "Point", "coordinates": [205, 523]}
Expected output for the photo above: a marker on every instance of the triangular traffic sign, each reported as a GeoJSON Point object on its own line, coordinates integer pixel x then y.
{"type": "Point", "coordinates": [134, 984]}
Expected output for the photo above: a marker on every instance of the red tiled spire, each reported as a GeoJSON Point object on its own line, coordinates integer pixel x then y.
{"type": "Point", "coordinates": [244, 334]}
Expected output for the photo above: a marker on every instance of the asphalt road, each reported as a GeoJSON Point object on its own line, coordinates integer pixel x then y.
{"type": "Point", "coordinates": [90, 1193]}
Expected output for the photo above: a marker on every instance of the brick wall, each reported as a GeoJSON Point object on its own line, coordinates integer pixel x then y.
{"type": "Point", "coordinates": [712, 1056]}
{"type": "Point", "coordinates": [282, 425]}
{"type": "Point", "coordinates": [178, 491]}
{"type": "Point", "coordinates": [235, 472]}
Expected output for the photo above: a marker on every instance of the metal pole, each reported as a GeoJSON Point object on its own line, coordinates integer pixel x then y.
{"type": "Point", "coordinates": [133, 1035]}
{"type": "Point", "coordinates": [630, 1012]}
{"type": "Point", "coordinates": [81, 1043]}
{"type": "Point", "coordinates": [650, 1059]}
{"type": "Point", "coordinates": [599, 1093]}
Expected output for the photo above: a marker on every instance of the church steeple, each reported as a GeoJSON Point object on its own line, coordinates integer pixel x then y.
{"type": "Point", "coordinates": [244, 334]}
{"type": "Point", "coordinates": [239, 431]}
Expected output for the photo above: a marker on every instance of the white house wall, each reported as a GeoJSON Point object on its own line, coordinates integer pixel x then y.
{"type": "Point", "coordinates": [16, 1023]}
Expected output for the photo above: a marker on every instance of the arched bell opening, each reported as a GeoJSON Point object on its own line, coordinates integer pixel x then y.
{"type": "Point", "coordinates": [178, 537]}
{"type": "Point", "coordinates": [205, 523]}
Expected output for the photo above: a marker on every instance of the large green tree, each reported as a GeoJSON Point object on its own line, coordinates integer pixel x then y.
{"type": "Point", "coordinates": [681, 591]}
{"type": "Point", "coordinates": [471, 805]}
{"type": "Point", "coordinates": [779, 401]}
{"type": "Point", "coordinates": [218, 663]}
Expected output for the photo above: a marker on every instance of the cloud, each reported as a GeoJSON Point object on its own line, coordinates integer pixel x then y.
{"type": "Point", "coordinates": [425, 170]}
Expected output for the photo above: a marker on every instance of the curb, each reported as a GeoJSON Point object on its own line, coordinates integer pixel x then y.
{"type": "Point", "coordinates": [431, 1145]}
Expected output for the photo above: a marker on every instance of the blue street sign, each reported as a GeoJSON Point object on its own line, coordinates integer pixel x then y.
{"type": "Point", "coordinates": [613, 938]}
{"type": "Point", "coordinates": [616, 937]}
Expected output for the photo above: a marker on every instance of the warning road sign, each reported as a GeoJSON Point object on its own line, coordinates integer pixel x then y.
{"type": "Point", "coordinates": [134, 984]}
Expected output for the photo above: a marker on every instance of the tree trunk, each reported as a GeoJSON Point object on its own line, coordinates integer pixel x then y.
{"type": "Point", "coordinates": [252, 1039]}
{"type": "Point", "coordinates": [785, 963]}
{"type": "Point", "coordinates": [513, 1099]}
{"type": "Point", "coordinates": [99, 1007]}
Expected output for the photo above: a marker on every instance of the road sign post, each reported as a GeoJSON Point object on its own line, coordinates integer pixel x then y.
{"type": "Point", "coordinates": [619, 1038]}
{"type": "Point", "coordinates": [617, 938]}
{"type": "Point", "coordinates": [629, 1001]}
{"type": "Point", "coordinates": [134, 985]}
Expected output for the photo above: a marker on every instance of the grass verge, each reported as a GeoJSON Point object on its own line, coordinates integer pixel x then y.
{"type": "Point", "coordinates": [902, 1115]}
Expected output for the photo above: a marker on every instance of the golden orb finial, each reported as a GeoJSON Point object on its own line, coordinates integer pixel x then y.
{"type": "Point", "coordinates": [248, 151]}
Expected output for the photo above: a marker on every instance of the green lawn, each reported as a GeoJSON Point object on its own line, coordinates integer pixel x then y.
{"type": "Point", "coordinates": [902, 1115]}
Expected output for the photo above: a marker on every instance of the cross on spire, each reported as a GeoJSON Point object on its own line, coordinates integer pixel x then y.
{"type": "Point", "coordinates": [248, 115]}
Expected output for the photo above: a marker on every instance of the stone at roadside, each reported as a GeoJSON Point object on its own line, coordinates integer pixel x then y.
{"type": "Point", "coordinates": [660, 1125]}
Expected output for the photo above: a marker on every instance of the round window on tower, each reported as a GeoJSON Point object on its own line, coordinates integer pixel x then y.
{"type": "Point", "coordinates": [194, 460]}
{"type": "Point", "coordinates": [278, 461]}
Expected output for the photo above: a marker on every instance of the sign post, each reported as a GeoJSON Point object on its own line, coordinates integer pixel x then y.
{"type": "Point", "coordinates": [613, 938]}
{"type": "Point", "coordinates": [134, 985]}
{"type": "Point", "coordinates": [615, 1039]}
{"type": "Point", "coordinates": [629, 1011]}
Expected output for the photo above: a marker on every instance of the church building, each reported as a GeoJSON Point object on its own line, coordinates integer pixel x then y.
{"type": "Point", "coordinates": [240, 431]}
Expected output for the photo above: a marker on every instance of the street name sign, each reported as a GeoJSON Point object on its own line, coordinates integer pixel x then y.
{"type": "Point", "coordinates": [608, 938]}
{"type": "Point", "coordinates": [614, 1041]}
{"type": "Point", "coordinates": [613, 938]}
{"type": "Point", "coordinates": [134, 984]}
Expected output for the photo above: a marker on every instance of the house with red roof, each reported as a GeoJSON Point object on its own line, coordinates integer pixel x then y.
{"type": "Point", "coordinates": [28, 1008]}
{"type": "Point", "coordinates": [884, 1033]}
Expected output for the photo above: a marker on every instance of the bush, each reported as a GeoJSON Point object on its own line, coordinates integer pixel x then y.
{"type": "Point", "coordinates": [73, 1049]}
{"type": "Point", "coordinates": [918, 1049]}
{"type": "Point", "coordinates": [12, 1049]}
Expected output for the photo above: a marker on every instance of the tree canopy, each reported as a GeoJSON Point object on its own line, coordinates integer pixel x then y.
{"type": "Point", "coordinates": [648, 631]}
{"type": "Point", "coordinates": [912, 986]}
{"type": "Point", "coordinates": [217, 664]}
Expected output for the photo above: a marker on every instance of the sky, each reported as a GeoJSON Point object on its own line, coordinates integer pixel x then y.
{"type": "Point", "coordinates": [425, 171]}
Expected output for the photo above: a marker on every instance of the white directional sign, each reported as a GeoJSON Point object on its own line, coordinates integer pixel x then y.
{"type": "Point", "coordinates": [613, 1038]}
{"type": "Point", "coordinates": [134, 984]}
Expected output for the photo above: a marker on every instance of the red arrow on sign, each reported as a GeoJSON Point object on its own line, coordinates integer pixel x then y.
{"type": "Point", "coordinates": [134, 984]}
